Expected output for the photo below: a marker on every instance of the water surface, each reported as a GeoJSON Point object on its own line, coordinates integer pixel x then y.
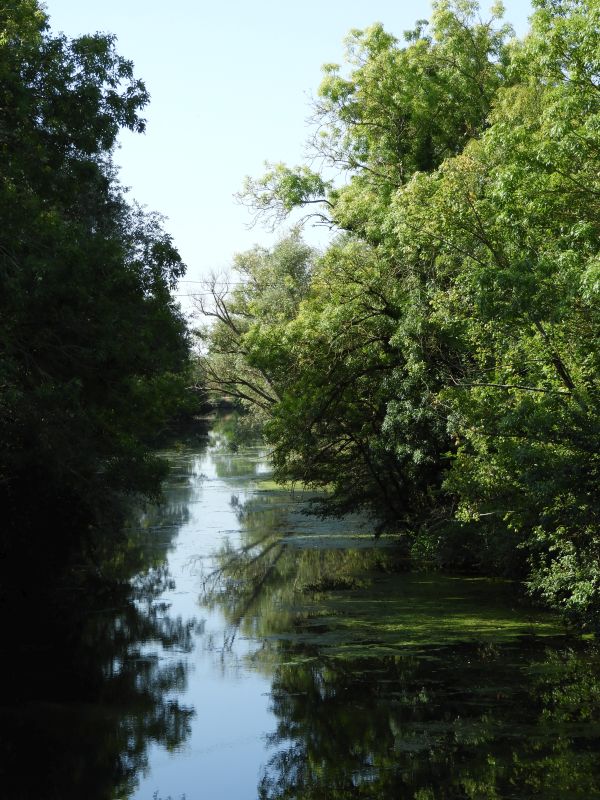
{"type": "Point", "coordinates": [262, 653]}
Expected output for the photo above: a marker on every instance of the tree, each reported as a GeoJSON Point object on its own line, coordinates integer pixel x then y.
{"type": "Point", "coordinates": [508, 229]}
{"type": "Point", "coordinates": [94, 350]}
{"type": "Point", "coordinates": [443, 367]}
{"type": "Point", "coordinates": [352, 350]}
{"type": "Point", "coordinates": [400, 109]}
{"type": "Point", "coordinates": [244, 357]}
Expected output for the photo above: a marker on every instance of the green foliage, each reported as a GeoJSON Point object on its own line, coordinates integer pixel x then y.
{"type": "Point", "coordinates": [246, 358]}
{"type": "Point", "coordinates": [281, 189]}
{"type": "Point", "coordinates": [94, 350]}
{"type": "Point", "coordinates": [442, 368]}
{"type": "Point", "coordinates": [396, 110]}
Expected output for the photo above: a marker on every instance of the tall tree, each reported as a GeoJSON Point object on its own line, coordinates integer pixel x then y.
{"type": "Point", "coordinates": [443, 368]}
{"type": "Point", "coordinates": [93, 348]}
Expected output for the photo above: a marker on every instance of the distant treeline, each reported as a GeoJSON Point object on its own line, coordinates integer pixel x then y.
{"type": "Point", "coordinates": [439, 363]}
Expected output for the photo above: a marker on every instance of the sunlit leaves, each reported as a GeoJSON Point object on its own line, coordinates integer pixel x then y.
{"type": "Point", "coordinates": [443, 367]}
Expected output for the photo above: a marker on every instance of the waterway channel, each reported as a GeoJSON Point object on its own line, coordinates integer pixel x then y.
{"type": "Point", "coordinates": [263, 654]}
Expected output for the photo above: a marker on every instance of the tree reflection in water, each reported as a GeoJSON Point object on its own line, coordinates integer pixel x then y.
{"type": "Point", "coordinates": [458, 723]}
{"type": "Point", "coordinates": [375, 690]}
{"type": "Point", "coordinates": [512, 718]}
{"type": "Point", "coordinates": [87, 690]}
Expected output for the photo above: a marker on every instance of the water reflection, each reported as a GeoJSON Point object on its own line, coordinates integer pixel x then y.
{"type": "Point", "coordinates": [87, 691]}
{"type": "Point", "coordinates": [462, 700]}
{"type": "Point", "coordinates": [462, 722]}
{"type": "Point", "coordinates": [320, 670]}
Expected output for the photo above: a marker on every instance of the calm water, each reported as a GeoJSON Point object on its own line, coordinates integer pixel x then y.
{"type": "Point", "coordinates": [261, 653]}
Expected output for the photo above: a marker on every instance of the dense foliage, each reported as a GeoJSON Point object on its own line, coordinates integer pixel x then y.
{"type": "Point", "coordinates": [439, 363]}
{"type": "Point", "coordinates": [93, 351]}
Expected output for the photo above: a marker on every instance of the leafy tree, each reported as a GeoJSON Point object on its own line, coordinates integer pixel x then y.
{"type": "Point", "coordinates": [93, 349]}
{"type": "Point", "coordinates": [245, 358]}
{"type": "Point", "coordinates": [442, 368]}
{"type": "Point", "coordinates": [399, 109]}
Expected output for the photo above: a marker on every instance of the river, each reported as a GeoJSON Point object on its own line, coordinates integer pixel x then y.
{"type": "Point", "coordinates": [261, 653]}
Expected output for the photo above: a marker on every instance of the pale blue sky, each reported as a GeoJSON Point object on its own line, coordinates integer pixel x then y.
{"type": "Point", "coordinates": [230, 86]}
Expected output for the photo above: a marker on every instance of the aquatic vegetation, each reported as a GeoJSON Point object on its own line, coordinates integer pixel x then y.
{"type": "Point", "coordinates": [333, 585]}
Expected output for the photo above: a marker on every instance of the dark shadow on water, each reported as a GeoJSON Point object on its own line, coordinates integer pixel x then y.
{"type": "Point", "coordinates": [87, 688]}
{"type": "Point", "coordinates": [468, 721]}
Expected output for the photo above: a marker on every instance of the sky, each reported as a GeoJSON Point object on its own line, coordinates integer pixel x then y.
{"type": "Point", "coordinates": [231, 85]}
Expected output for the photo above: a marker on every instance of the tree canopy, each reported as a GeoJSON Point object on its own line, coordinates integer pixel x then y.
{"type": "Point", "coordinates": [440, 367]}
{"type": "Point", "coordinates": [94, 350]}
